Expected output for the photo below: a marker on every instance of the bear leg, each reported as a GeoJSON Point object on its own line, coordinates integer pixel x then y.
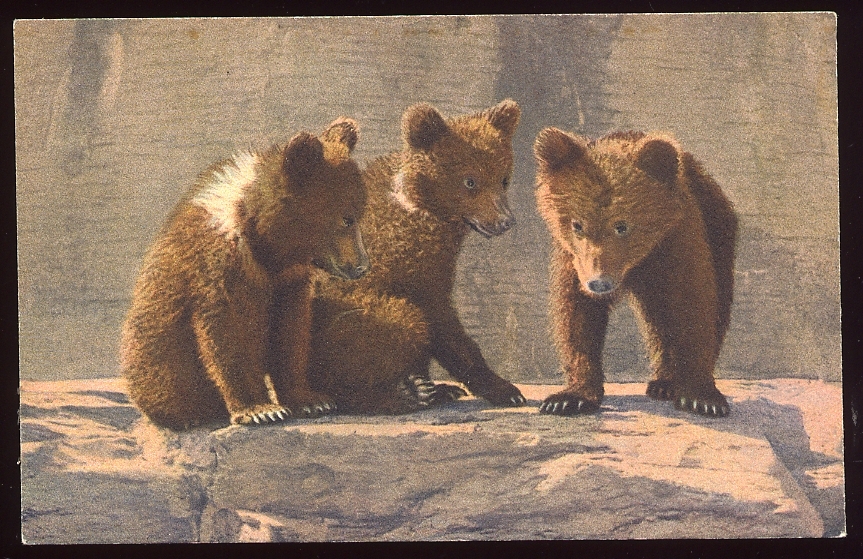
{"type": "Point", "coordinates": [289, 349]}
{"type": "Point", "coordinates": [232, 341]}
{"type": "Point", "coordinates": [676, 299]}
{"type": "Point", "coordinates": [720, 225]}
{"type": "Point", "coordinates": [365, 345]}
{"type": "Point", "coordinates": [461, 357]}
{"type": "Point", "coordinates": [165, 378]}
{"type": "Point", "coordinates": [580, 324]}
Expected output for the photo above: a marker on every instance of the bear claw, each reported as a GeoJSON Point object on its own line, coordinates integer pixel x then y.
{"type": "Point", "coordinates": [261, 417]}
{"type": "Point", "coordinates": [506, 396]}
{"type": "Point", "coordinates": [567, 406]}
{"type": "Point", "coordinates": [702, 408]}
{"type": "Point", "coordinates": [427, 393]}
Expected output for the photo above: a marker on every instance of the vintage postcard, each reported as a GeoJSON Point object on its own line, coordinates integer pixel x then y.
{"type": "Point", "coordinates": [429, 278]}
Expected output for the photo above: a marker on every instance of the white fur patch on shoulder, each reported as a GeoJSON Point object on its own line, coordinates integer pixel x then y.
{"type": "Point", "coordinates": [227, 187]}
{"type": "Point", "coordinates": [399, 195]}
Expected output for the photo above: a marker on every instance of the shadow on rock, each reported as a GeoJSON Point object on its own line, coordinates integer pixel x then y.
{"type": "Point", "coordinates": [782, 425]}
{"type": "Point", "coordinates": [119, 417]}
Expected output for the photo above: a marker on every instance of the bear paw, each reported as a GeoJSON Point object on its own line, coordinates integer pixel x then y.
{"type": "Point", "coordinates": [269, 413]}
{"type": "Point", "coordinates": [496, 390]}
{"type": "Point", "coordinates": [311, 404]}
{"type": "Point", "coordinates": [710, 406]}
{"type": "Point", "coordinates": [430, 394]}
{"type": "Point", "coordinates": [402, 400]}
{"type": "Point", "coordinates": [568, 403]}
{"type": "Point", "coordinates": [661, 390]}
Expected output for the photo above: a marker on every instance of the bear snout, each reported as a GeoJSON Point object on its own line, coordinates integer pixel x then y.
{"type": "Point", "coordinates": [503, 222]}
{"type": "Point", "coordinates": [489, 230]}
{"type": "Point", "coordinates": [344, 270]}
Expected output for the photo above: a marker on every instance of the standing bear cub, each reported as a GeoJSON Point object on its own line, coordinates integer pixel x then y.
{"type": "Point", "coordinates": [221, 314]}
{"type": "Point", "coordinates": [373, 339]}
{"type": "Point", "coordinates": [633, 213]}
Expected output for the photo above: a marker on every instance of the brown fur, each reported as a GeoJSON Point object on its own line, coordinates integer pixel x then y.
{"type": "Point", "coordinates": [633, 213]}
{"type": "Point", "coordinates": [374, 338]}
{"type": "Point", "coordinates": [229, 278]}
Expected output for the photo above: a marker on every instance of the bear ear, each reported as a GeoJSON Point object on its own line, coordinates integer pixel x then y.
{"type": "Point", "coordinates": [344, 131]}
{"type": "Point", "coordinates": [659, 159]}
{"type": "Point", "coordinates": [504, 116]}
{"type": "Point", "coordinates": [555, 149]}
{"type": "Point", "coordinates": [423, 126]}
{"type": "Point", "coordinates": [303, 154]}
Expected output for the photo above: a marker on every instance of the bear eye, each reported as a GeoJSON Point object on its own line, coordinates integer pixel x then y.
{"type": "Point", "coordinates": [578, 227]}
{"type": "Point", "coordinates": [348, 221]}
{"type": "Point", "coordinates": [469, 183]}
{"type": "Point", "coordinates": [621, 228]}
{"type": "Point", "coordinates": [505, 182]}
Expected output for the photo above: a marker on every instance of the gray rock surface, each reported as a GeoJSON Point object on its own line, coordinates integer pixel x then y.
{"type": "Point", "coordinates": [95, 471]}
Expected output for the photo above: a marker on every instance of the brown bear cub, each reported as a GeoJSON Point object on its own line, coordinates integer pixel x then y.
{"type": "Point", "coordinates": [373, 339]}
{"type": "Point", "coordinates": [633, 213]}
{"type": "Point", "coordinates": [221, 314]}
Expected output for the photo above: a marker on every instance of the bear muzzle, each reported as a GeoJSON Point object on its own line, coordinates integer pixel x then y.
{"type": "Point", "coordinates": [344, 270]}
{"type": "Point", "coordinates": [348, 258]}
{"type": "Point", "coordinates": [503, 222]}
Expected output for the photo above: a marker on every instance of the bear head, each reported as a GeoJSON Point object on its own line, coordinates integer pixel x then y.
{"type": "Point", "coordinates": [459, 169]}
{"type": "Point", "coordinates": [308, 207]}
{"type": "Point", "coordinates": [609, 202]}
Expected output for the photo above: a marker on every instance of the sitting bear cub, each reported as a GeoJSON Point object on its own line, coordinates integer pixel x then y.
{"type": "Point", "coordinates": [219, 327]}
{"type": "Point", "coordinates": [373, 339]}
{"type": "Point", "coordinates": [633, 213]}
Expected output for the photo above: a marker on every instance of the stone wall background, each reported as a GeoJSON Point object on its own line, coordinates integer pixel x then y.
{"type": "Point", "coordinates": [115, 118]}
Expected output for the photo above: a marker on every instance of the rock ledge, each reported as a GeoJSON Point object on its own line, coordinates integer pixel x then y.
{"type": "Point", "coordinates": [95, 471]}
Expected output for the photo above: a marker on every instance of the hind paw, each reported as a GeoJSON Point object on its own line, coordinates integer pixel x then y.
{"type": "Point", "coordinates": [270, 413]}
{"type": "Point", "coordinates": [430, 394]}
{"type": "Point", "coordinates": [311, 404]}
{"type": "Point", "coordinates": [661, 390]}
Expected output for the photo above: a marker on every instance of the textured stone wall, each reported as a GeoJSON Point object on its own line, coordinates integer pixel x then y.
{"type": "Point", "coordinates": [115, 118]}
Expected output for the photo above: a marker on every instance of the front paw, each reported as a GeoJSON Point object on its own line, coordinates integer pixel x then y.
{"type": "Point", "coordinates": [256, 415]}
{"type": "Point", "coordinates": [496, 390]}
{"type": "Point", "coordinates": [711, 405]}
{"type": "Point", "coordinates": [568, 403]}
{"type": "Point", "coordinates": [310, 404]}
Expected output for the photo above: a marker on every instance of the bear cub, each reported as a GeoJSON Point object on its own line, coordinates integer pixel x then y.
{"type": "Point", "coordinates": [219, 326]}
{"type": "Point", "coordinates": [632, 213]}
{"type": "Point", "coordinates": [375, 338]}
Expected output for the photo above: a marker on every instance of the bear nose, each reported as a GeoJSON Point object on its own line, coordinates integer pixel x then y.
{"type": "Point", "coordinates": [601, 285]}
{"type": "Point", "coordinates": [355, 272]}
{"type": "Point", "coordinates": [507, 219]}
{"type": "Point", "coordinates": [506, 223]}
